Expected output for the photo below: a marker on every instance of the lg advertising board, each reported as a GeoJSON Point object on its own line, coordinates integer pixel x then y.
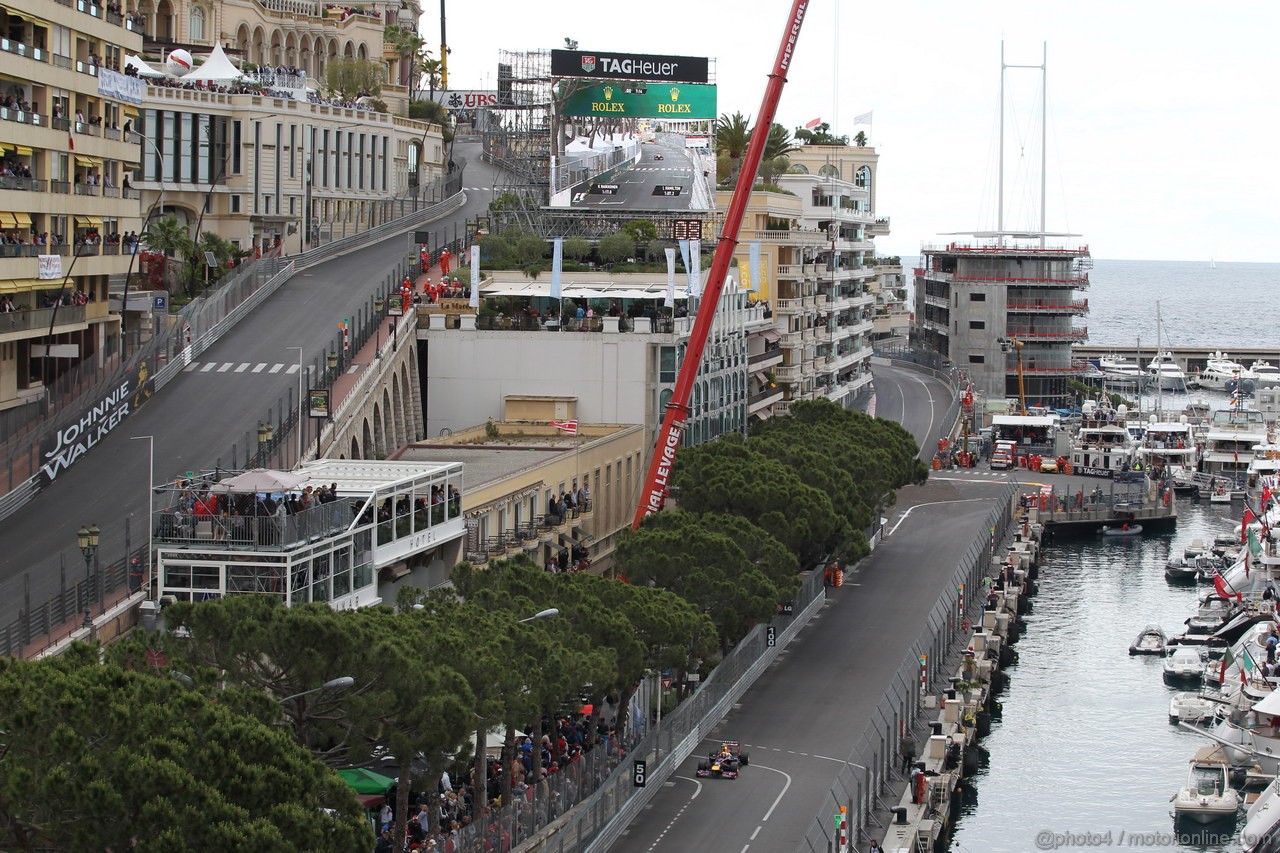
{"type": "Point", "coordinates": [628, 66]}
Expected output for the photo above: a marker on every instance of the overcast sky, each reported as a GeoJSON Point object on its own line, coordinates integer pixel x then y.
{"type": "Point", "coordinates": [1161, 141]}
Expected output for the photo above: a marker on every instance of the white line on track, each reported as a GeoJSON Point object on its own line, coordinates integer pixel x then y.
{"type": "Point", "coordinates": [696, 792]}
{"type": "Point", "coordinates": [781, 793]}
{"type": "Point", "coordinates": [903, 517]}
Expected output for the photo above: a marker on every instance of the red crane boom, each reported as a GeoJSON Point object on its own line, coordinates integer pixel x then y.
{"type": "Point", "coordinates": [677, 414]}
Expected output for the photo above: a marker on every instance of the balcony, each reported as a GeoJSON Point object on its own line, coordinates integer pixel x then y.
{"type": "Point", "coordinates": [790, 373]}
{"type": "Point", "coordinates": [791, 271]}
{"type": "Point", "coordinates": [1075, 334]}
{"type": "Point", "coordinates": [765, 359]}
{"type": "Point", "coordinates": [33, 185]}
{"type": "Point", "coordinates": [880, 227]}
{"type": "Point", "coordinates": [766, 398]}
{"type": "Point", "coordinates": [37, 320]}
{"type": "Point", "coordinates": [19, 49]}
{"type": "Point", "coordinates": [937, 301]}
{"type": "Point", "coordinates": [789, 306]}
{"type": "Point", "coordinates": [24, 117]}
{"type": "Point", "coordinates": [1074, 306]}
{"type": "Point", "coordinates": [788, 238]}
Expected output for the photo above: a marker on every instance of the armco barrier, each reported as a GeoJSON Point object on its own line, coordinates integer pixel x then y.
{"type": "Point", "coordinates": [875, 757]}
{"type": "Point", "coordinates": [600, 820]}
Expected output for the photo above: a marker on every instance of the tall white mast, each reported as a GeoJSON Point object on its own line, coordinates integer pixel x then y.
{"type": "Point", "coordinates": [1000, 191]}
{"type": "Point", "coordinates": [1044, 122]}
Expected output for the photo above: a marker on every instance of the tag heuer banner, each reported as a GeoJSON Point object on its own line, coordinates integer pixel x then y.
{"type": "Point", "coordinates": [652, 100]}
{"type": "Point", "coordinates": [628, 66]}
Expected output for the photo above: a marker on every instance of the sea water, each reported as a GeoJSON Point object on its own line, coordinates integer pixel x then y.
{"type": "Point", "coordinates": [1084, 757]}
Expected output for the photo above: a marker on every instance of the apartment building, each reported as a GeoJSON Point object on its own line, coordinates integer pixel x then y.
{"type": "Point", "coordinates": [62, 192]}
{"type": "Point", "coordinates": [1001, 305]}
{"type": "Point", "coordinates": [815, 268]}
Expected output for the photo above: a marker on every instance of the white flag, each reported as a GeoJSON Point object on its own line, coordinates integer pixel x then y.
{"type": "Point", "coordinates": [695, 267]}
{"type": "Point", "coordinates": [557, 259]}
{"type": "Point", "coordinates": [865, 118]}
{"type": "Point", "coordinates": [670, 301]}
{"type": "Point", "coordinates": [475, 275]}
{"type": "Point", "coordinates": [684, 254]}
{"type": "Point", "coordinates": [754, 265]}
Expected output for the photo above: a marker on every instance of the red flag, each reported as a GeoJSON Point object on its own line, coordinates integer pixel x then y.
{"type": "Point", "coordinates": [570, 427]}
{"type": "Point", "coordinates": [1249, 517]}
{"type": "Point", "coordinates": [812, 124]}
{"type": "Point", "coordinates": [1266, 497]}
{"type": "Point", "coordinates": [71, 142]}
{"type": "Point", "coordinates": [1220, 584]}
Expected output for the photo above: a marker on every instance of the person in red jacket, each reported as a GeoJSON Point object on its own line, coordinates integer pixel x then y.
{"type": "Point", "coordinates": [445, 257]}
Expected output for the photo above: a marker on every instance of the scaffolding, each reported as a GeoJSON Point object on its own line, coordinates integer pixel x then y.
{"type": "Point", "coordinates": [517, 133]}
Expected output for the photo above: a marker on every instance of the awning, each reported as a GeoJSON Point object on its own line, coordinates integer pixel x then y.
{"type": "Point", "coordinates": [771, 335]}
{"type": "Point", "coordinates": [88, 222]}
{"type": "Point", "coordinates": [15, 285]}
{"type": "Point", "coordinates": [24, 150]}
{"type": "Point", "coordinates": [24, 219]}
{"type": "Point", "coordinates": [8, 220]}
{"type": "Point", "coordinates": [132, 112]}
{"type": "Point", "coordinates": [366, 781]}
{"type": "Point", "coordinates": [91, 162]}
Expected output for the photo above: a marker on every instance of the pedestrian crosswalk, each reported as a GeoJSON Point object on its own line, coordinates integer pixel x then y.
{"type": "Point", "coordinates": [478, 189]}
{"type": "Point", "coordinates": [685, 170]}
{"type": "Point", "coordinates": [239, 367]}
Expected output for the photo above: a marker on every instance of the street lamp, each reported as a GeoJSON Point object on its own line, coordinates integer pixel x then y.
{"type": "Point", "coordinates": [542, 614]}
{"type": "Point", "coordinates": [265, 433]}
{"type": "Point", "coordinates": [151, 491]}
{"type": "Point", "coordinates": [332, 360]}
{"type": "Point", "coordinates": [378, 305]}
{"type": "Point", "coordinates": [301, 403]}
{"type": "Point", "coordinates": [342, 682]}
{"type": "Point", "coordinates": [87, 539]}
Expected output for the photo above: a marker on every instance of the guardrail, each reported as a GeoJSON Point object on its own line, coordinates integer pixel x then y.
{"type": "Point", "coordinates": [875, 758]}
{"type": "Point", "coordinates": [603, 816]}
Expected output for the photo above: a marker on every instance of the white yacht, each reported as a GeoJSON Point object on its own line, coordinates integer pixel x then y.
{"type": "Point", "coordinates": [1208, 796]}
{"type": "Point", "coordinates": [1118, 369]}
{"type": "Point", "coordinates": [1229, 443]}
{"type": "Point", "coordinates": [1266, 374]}
{"type": "Point", "coordinates": [1166, 374]}
{"type": "Point", "coordinates": [1184, 665]}
{"type": "Point", "coordinates": [1263, 472]}
{"type": "Point", "coordinates": [1103, 444]}
{"type": "Point", "coordinates": [1262, 821]}
{"type": "Point", "coordinates": [1170, 446]}
{"type": "Point", "coordinates": [1220, 371]}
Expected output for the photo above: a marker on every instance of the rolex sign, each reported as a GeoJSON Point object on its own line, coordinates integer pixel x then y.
{"type": "Point", "coordinates": [640, 100]}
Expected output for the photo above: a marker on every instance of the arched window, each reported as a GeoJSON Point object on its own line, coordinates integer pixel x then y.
{"type": "Point", "coordinates": [863, 178]}
{"type": "Point", "coordinates": [197, 23]}
{"type": "Point", "coordinates": [829, 171]}
{"type": "Point", "coordinates": [798, 169]}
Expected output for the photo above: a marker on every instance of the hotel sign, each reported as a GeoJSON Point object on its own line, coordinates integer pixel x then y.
{"type": "Point", "coordinates": [628, 66]}
{"type": "Point", "coordinates": [685, 100]}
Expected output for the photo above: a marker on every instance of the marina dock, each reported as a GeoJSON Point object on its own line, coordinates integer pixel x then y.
{"type": "Point", "coordinates": [1084, 505]}
{"type": "Point", "coordinates": [1190, 359]}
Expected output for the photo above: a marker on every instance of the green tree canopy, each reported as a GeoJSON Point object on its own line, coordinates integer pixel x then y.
{"type": "Point", "coordinates": [353, 78]}
{"type": "Point", "coordinates": [641, 230]}
{"type": "Point", "coordinates": [97, 757]}
{"type": "Point", "coordinates": [616, 247]}
{"type": "Point", "coordinates": [577, 248]}
{"type": "Point", "coordinates": [726, 566]}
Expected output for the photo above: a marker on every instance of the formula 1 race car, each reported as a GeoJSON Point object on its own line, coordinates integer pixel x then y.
{"type": "Point", "coordinates": [725, 762]}
{"type": "Point", "coordinates": [657, 156]}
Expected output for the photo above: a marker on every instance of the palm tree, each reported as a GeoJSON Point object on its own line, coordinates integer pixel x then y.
{"type": "Point", "coordinates": [776, 148]}
{"type": "Point", "coordinates": [432, 68]}
{"type": "Point", "coordinates": [171, 237]}
{"type": "Point", "coordinates": [860, 139]}
{"type": "Point", "coordinates": [733, 132]}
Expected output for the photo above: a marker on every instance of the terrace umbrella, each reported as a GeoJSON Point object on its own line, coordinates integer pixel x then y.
{"type": "Point", "coordinates": [260, 480]}
{"type": "Point", "coordinates": [366, 781]}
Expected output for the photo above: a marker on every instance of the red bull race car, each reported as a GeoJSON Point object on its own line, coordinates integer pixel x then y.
{"type": "Point", "coordinates": [725, 762]}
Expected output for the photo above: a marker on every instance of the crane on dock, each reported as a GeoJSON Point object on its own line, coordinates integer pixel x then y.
{"type": "Point", "coordinates": [677, 415]}
{"type": "Point", "coordinates": [1007, 344]}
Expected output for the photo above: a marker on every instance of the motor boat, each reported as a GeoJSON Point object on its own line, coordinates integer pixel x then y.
{"type": "Point", "coordinates": [1221, 494]}
{"type": "Point", "coordinates": [1195, 548]}
{"type": "Point", "coordinates": [1212, 614]}
{"type": "Point", "coordinates": [1266, 374]}
{"type": "Point", "coordinates": [1262, 821]}
{"type": "Point", "coordinates": [1181, 570]}
{"type": "Point", "coordinates": [1188, 707]}
{"type": "Point", "coordinates": [1184, 665]}
{"type": "Point", "coordinates": [1166, 374]}
{"type": "Point", "coordinates": [1122, 531]}
{"type": "Point", "coordinates": [1149, 642]}
{"type": "Point", "coordinates": [1207, 796]}
{"type": "Point", "coordinates": [1120, 370]}
{"type": "Point", "coordinates": [1219, 371]}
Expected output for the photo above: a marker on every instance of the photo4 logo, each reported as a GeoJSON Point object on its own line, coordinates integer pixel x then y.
{"type": "Point", "coordinates": [629, 66]}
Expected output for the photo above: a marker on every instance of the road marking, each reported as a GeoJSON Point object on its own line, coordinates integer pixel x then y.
{"type": "Point", "coordinates": [190, 367]}
{"type": "Point", "coordinates": [781, 794]}
{"type": "Point", "coordinates": [261, 367]}
{"type": "Point", "coordinates": [903, 517]}
{"type": "Point", "coordinates": [696, 791]}
{"type": "Point", "coordinates": [928, 432]}
{"type": "Point", "coordinates": [224, 368]}
{"type": "Point", "coordinates": [209, 365]}
{"type": "Point", "coordinates": [353, 368]}
{"type": "Point", "coordinates": [243, 367]}
{"type": "Point", "coordinates": [293, 368]}
{"type": "Point", "coordinates": [745, 848]}
{"type": "Point", "coordinates": [276, 368]}
{"type": "Point", "coordinates": [757, 832]}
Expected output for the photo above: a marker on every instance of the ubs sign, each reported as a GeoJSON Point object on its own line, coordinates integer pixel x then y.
{"type": "Point", "coordinates": [629, 66]}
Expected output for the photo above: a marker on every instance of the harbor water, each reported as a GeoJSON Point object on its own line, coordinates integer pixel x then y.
{"type": "Point", "coordinates": [1085, 747]}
